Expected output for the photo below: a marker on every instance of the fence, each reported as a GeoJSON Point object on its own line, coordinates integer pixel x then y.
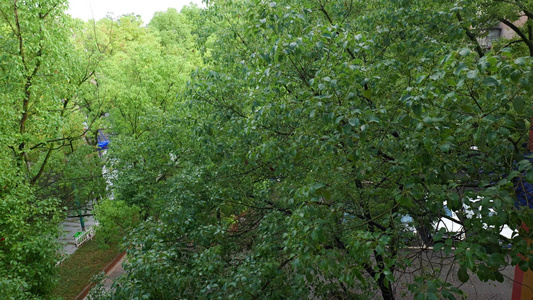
{"type": "Point", "coordinates": [82, 237]}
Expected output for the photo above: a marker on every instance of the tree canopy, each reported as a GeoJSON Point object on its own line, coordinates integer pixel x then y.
{"type": "Point", "coordinates": [301, 149]}
{"type": "Point", "coordinates": [43, 77]}
{"type": "Point", "coordinates": [315, 128]}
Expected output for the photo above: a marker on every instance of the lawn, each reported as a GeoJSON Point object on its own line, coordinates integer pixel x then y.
{"type": "Point", "coordinates": [78, 269]}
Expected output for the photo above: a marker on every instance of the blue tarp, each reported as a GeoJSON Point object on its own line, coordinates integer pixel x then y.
{"type": "Point", "coordinates": [103, 145]}
{"type": "Point", "coordinates": [103, 142]}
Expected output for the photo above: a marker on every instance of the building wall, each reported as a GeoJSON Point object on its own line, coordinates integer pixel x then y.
{"type": "Point", "coordinates": [507, 32]}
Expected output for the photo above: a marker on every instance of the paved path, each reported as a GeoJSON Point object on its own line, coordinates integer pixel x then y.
{"type": "Point", "coordinates": [113, 274]}
{"type": "Point", "coordinates": [69, 228]}
{"type": "Point", "coordinates": [447, 268]}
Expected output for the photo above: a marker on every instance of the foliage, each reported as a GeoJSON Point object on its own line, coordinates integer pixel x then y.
{"type": "Point", "coordinates": [143, 81]}
{"type": "Point", "coordinates": [74, 177]}
{"type": "Point", "coordinates": [145, 70]}
{"type": "Point", "coordinates": [308, 132]}
{"type": "Point", "coordinates": [44, 77]}
{"type": "Point", "coordinates": [316, 127]}
{"type": "Point", "coordinates": [115, 218]}
{"type": "Point", "coordinates": [13, 289]}
{"type": "Point", "coordinates": [174, 32]}
{"type": "Point", "coordinates": [28, 250]}
{"type": "Point", "coordinates": [203, 29]}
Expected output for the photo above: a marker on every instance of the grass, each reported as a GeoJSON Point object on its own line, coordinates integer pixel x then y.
{"type": "Point", "coordinates": [78, 269]}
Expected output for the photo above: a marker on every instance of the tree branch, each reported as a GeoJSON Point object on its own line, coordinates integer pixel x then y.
{"type": "Point", "coordinates": [520, 33]}
{"type": "Point", "coordinates": [470, 35]}
{"type": "Point", "coordinates": [43, 165]}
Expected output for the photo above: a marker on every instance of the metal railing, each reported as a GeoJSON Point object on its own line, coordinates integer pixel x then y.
{"type": "Point", "coordinates": [81, 237]}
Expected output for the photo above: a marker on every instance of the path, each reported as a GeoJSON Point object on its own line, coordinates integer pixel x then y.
{"type": "Point", "coordinates": [69, 228]}
{"type": "Point", "coordinates": [112, 272]}
{"type": "Point", "coordinates": [447, 267]}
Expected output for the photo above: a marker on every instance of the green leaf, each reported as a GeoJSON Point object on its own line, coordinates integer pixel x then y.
{"type": "Point", "coordinates": [518, 104]}
{"type": "Point", "coordinates": [438, 246]}
{"type": "Point", "coordinates": [472, 74]}
{"type": "Point", "coordinates": [447, 294]}
{"type": "Point", "coordinates": [498, 276]}
{"type": "Point", "coordinates": [417, 109]}
{"type": "Point", "coordinates": [521, 61]}
{"type": "Point", "coordinates": [454, 203]}
{"type": "Point", "coordinates": [432, 296]}
{"type": "Point", "coordinates": [318, 235]}
{"type": "Point", "coordinates": [461, 67]}
{"type": "Point", "coordinates": [491, 81]}
{"type": "Point", "coordinates": [367, 94]}
{"type": "Point", "coordinates": [405, 120]}
{"type": "Point", "coordinates": [529, 175]}
{"type": "Point", "coordinates": [530, 264]}
{"type": "Point", "coordinates": [309, 276]}
{"type": "Point", "coordinates": [523, 265]}
{"type": "Point", "coordinates": [445, 147]}
{"type": "Point", "coordinates": [317, 186]}
{"type": "Point", "coordinates": [420, 297]}
{"type": "Point", "coordinates": [462, 274]}
{"type": "Point", "coordinates": [326, 194]}
{"type": "Point", "coordinates": [504, 131]}
{"type": "Point", "coordinates": [405, 201]}
{"type": "Point", "coordinates": [354, 122]}
{"type": "Point", "coordinates": [464, 51]}
{"type": "Point", "coordinates": [437, 75]}
{"type": "Point", "coordinates": [346, 128]}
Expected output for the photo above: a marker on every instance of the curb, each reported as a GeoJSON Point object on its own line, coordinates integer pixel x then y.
{"type": "Point", "coordinates": [106, 270]}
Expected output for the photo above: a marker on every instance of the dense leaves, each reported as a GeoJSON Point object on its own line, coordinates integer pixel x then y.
{"type": "Point", "coordinates": [43, 106]}
{"type": "Point", "coordinates": [318, 127]}
{"type": "Point", "coordinates": [316, 146]}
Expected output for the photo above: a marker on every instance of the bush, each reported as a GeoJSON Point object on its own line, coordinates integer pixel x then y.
{"type": "Point", "coordinates": [115, 218]}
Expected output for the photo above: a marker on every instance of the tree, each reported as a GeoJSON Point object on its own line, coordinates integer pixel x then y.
{"type": "Point", "coordinates": [316, 128]}
{"type": "Point", "coordinates": [44, 78]}
{"type": "Point", "coordinates": [143, 79]}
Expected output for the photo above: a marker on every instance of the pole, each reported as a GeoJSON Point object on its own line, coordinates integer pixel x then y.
{"type": "Point", "coordinates": [82, 223]}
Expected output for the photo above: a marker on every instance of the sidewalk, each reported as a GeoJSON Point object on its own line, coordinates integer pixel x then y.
{"type": "Point", "coordinates": [69, 227]}
{"type": "Point", "coordinates": [112, 272]}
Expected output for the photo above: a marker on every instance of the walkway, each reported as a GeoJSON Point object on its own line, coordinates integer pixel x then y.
{"type": "Point", "coordinates": [69, 228]}
{"type": "Point", "coordinates": [112, 272]}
